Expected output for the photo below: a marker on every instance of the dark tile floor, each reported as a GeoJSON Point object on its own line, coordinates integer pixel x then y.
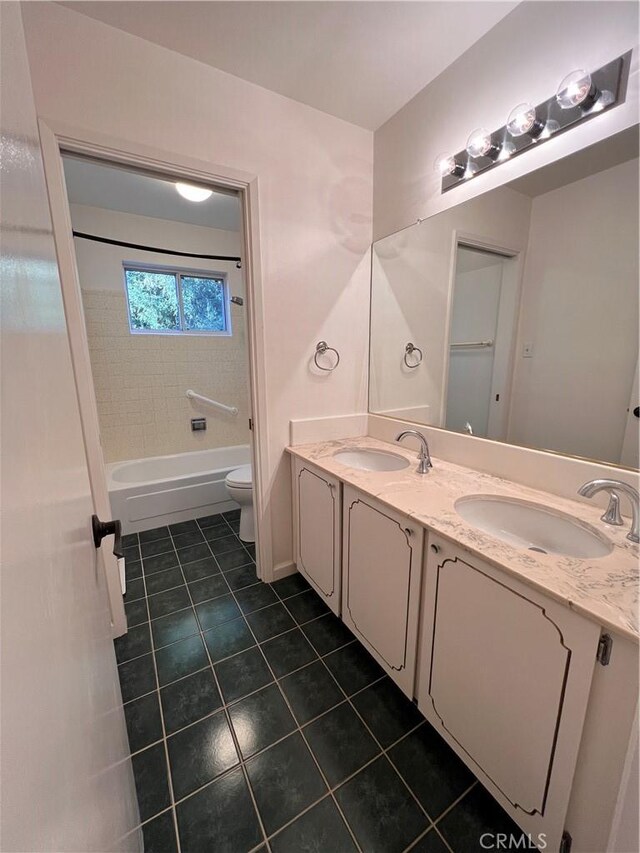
{"type": "Point", "coordinates": [258, 722]}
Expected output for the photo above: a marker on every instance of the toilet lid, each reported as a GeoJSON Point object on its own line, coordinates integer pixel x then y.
{"type": "Point", "coordinates": [240, 477]}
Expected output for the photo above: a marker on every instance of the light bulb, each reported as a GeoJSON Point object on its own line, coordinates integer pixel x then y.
{"type": "Point", "coordinates": [577, 90]}
{"type": "Point", "coordinates": [192, 193]}
{"type": "Point", "coordinates": [523, 121]}
{"type": "Point", "coordinates": [446, 164]}
{"type": "Point", "coordinates": [480, 144]}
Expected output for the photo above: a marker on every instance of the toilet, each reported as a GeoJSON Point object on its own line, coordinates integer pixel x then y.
{"type": "Point", "coordinates": [239, 484]}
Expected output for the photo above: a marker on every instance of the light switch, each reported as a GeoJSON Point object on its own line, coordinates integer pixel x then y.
{"type": "Point", "coordinates": [527, 350]}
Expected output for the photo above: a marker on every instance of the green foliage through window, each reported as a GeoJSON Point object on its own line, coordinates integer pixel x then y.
{"type": "Point", "coordinates": [164, 301]}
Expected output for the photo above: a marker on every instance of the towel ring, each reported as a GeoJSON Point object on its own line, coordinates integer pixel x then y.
{"type": "Point", "coordinates": [321, 348]}
{"type": "Point", "coordinates": [409, 350]}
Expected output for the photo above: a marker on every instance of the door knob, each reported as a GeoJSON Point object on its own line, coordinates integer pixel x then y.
{"type": "Point", "coordinates": [107, 528]}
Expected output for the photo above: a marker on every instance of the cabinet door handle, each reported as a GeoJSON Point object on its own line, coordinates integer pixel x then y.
{"type": "Point", "coordinates": [408, 531]}
{"type": "Point", "coordinates": [435, 549]}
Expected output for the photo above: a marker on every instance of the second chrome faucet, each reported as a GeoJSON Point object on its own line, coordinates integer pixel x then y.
{"type": "Point", "coordinates": [424, 457]}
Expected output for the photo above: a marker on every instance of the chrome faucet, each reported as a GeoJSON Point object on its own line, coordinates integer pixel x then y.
{"type": "Point", "coordinates": [424, 458]}
{"type": "Point", "coordinates": [612, 514]}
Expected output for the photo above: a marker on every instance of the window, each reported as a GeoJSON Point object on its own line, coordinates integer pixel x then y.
{"type": "Point", "coordinates": [171, 302]}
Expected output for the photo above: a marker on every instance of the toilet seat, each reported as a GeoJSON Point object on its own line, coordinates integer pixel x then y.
{"type": "Point", "coordinates": [240, 478]}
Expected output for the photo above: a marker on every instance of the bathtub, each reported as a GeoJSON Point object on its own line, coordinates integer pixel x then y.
{"type": "Point", "coordinates": [148, 493]}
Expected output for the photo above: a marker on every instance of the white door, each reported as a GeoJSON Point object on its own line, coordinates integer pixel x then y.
{"type": "Point", "coordinates": [66, 775]}
{"type": "Point", "coordinates": [316, 516]}
{"type": "Point", "coordinates": [382, 569]}
{"type": "Point", "coordinates": [630, 445]}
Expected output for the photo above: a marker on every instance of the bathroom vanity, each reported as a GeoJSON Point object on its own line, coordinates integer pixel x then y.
{"type": "Point", "coordinates": [519, 658]}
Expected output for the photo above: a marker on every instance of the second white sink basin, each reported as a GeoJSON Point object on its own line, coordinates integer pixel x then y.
{"type": "Point", "coordinates": [365, 459]}
{"type": "Point", "coordinates": [532, 526]}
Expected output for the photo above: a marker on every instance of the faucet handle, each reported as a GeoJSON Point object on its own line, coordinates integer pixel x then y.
{"type": "Point", "coordinates": [612, 513]}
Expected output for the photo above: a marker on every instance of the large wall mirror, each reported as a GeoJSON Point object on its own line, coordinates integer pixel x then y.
{"type": "Point", "coordinates": [514, 316]}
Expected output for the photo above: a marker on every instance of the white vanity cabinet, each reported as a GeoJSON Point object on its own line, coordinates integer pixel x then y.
{"type": "Point", "coordinates": [316, 525]}
{"type": "Point", "coordinates": [504, 676]}
{"type": "Point", "coordinates": [382, 565]}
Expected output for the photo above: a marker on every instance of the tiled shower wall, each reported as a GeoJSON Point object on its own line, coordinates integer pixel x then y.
{"type": "Point", "coordinates": [141, 380]}
{"type": "Point", "coordinates": [140, 383]}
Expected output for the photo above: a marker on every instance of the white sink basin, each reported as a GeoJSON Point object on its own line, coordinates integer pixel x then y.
{"type": "Point", "coordinates": [366, 459]}
{"type": "Point", "coordinates": [532, 527]}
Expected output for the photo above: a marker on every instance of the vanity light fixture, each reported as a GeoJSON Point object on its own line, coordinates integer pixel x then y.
{"type": "Point", "coordinates": [481, 144]}
{"type": "Point", "coordinates": [580, 97]}
{"type": "Point", "coordinates": [446, 164]}
{"type": "Point", "coordinates": [192, 193]}
{"type": "Point", "coordinates": [577, 89]}
{"type": "Point", "coordinates": [523, 121]}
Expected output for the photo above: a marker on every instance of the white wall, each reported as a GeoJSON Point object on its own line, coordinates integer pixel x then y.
{"type": "Point", "coordinates": [523, 58]}
{"type": "Point", "coordinates": [140, 380]}
{"type": "Point", "coordinates": [315, 185]}
{"type": "Point", "coordinates": [579, 310]}
{"type": "Point", "coordinates": [411, 294]}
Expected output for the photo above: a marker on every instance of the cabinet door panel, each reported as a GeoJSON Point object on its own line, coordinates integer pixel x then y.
{"type": "Point", "coordinates": [382, 568]}
{"type": "Point", "coordinates": [317, 518]}
{"type": "Point", "coordinates": [505, 679]}
{"type": "Point", "coordinates": [485, 629]}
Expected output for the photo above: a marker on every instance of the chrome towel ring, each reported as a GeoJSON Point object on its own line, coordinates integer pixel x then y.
{"type": "Point", "coordinates": [321, 348]}
{"type": "Point", "coordinates": [410, 349]}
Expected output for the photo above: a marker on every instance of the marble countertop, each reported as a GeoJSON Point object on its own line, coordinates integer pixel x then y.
{"type": "Point", "coordinates": [603, 589]}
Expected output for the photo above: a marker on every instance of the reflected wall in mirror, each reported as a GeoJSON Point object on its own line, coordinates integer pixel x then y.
{"type": "Point", "coordinates": [523, 304]}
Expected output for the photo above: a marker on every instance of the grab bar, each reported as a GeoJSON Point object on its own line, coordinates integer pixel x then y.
{"type": "Point", "coordinates": [472, 345]}
{"type": "Point", "coordinates": [230, 410]}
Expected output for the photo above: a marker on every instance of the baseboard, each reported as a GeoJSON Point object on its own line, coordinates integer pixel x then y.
{"type": "Point", "coordinates": [283, 570]}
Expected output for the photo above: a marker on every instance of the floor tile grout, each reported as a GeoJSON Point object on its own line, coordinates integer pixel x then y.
{"type": "Point", "coordinates": [301, 733]}
{"type": "Point", "coordinates": [298, 728]}
{"type": "Point", "coordinates": [226, 621]}
{"type": "Point", "coordinates": [164, 731]}
{"type": "Point", "coordinates": [232, 732]}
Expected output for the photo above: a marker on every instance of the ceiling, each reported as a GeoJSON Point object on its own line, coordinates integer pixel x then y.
{"type": "Point", "coordinates": [359, 61]}
{"type": "Point", "coordinates": [112, 188]}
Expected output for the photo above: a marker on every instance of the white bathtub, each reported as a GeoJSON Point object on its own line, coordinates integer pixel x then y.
{"type": "Point", "coordinates": [148, 493]}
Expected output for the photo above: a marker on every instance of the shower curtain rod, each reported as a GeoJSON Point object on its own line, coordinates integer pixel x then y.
{"type": "Point", "coordinates": [110, 242]}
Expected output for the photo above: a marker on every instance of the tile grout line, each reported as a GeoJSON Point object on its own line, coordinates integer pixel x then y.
{"type": "Point", "coordinates": [235, 654]}
{"type": "Point", "coordinates": [383, 750]}
{"type": "Point", "coordinates": [227, 718]}
{"type": "Point", "coordinates": [301, 733]}
{"type": "Point", "coordinates": [298, 728]}
{"type": "Point", "coordinates": [164, 731]}
{"type": "Point", "coordinates": [214, 627]}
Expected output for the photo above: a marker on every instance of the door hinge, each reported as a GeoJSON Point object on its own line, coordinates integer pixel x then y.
{"type": "Point", "coordinates": [566, 842]}
{"type": "Point", "coordinates": [605, 644]}
{"type": "Point", "coordinates": [251, 423]}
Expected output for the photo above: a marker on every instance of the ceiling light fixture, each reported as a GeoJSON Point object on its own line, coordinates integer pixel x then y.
{"type": "Point", "coordinates": [192, 193]}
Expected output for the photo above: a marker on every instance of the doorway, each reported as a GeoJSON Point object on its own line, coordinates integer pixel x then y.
{"type": "Point", "coordinates": [481, 334]}
{"type": "Point", "coordinates": [206, 296]}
